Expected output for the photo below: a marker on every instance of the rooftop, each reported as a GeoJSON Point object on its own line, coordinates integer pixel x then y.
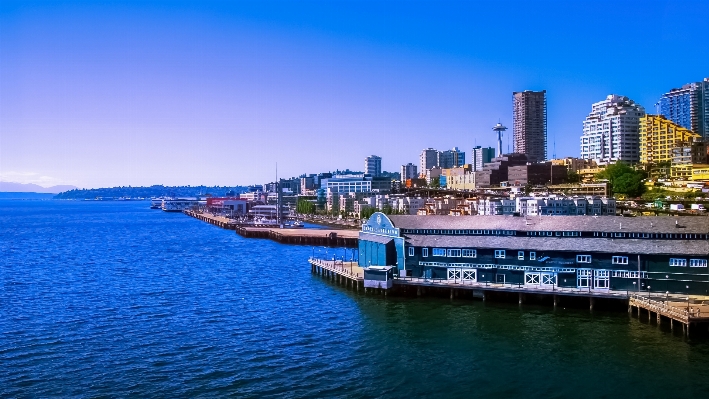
{"type": "Point", "coordinates": [660, 224]}
{"type": "Point", "coordinates": [576, 245]}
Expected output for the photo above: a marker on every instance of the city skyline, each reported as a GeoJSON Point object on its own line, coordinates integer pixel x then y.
{"type": "Point", "coordinates": [211, 93]}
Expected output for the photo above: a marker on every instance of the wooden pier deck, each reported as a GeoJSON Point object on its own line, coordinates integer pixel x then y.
{"type": "Point", "coordinates": [688, 313]}
{"type": "Point", "coordinates": [312, 237]}
{"type": "Point", "coordinates": [349, 274]}
{"type": "Point", "coordinates": [220, 221]}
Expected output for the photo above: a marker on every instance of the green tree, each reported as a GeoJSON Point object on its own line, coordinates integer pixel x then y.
{"type": "Point", "coordinates": [624, 179]}
{"type": "Point", "coordinates": [305, 207]}
{"type": "Point", "coordinates": [573, 177]}
{"type": "Point", "coordinates": [367, 212]}
{"type": "Point", "coordinates": [435, 182]}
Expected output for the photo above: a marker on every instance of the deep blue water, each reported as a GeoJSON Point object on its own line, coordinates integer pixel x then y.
{"type": "Point", "coordinates": [114, 300]}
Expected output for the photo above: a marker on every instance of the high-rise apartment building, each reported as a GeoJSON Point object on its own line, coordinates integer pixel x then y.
{"type": "Point", "coordinates": [408, 171]}
{"type": "Point", "coordinates": [481, 156]}
{"type": "Point", "coordinates": [659, 137]}
{"type": "Point", "coordinates": [428, 159]}
{"type": "Point", "coordinates": [451, 158]}
{"type": "Point", "coordinates": [610, 131]}
{"type": "Point", "coordinates": [373, 165]}
{"type": "Point", "coordinates": [530, 124]}
{"type": "Point", "coordinates": [688, 107]}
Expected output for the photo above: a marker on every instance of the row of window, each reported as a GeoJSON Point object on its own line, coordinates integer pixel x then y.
{"type": "Point", "coordinates": [552, 233]}
{"type": "Point", "coordinates": [502, 254]}
{"type": "Point", "coordinates": [561, 233]}
{"type": "Point", "coordinates": [680, 262]}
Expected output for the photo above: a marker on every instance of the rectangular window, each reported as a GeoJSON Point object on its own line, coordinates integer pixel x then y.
{"type": "Point", "coordinates": [455, 253]}
{"type": "Point", "coordinates": [620, 260]}
{"type": "Point", "coordinates": [424, 252]}
{"type": "Point", "coordinates": [520, 255]}
{"type": "Point", "coordinates": [411, 251]}
{"type": "Point", "coordinates": [583, 258]}
{"type": "Point", "coordinates": [697, 263]}
{"type": "Point", "coordinates": [439, 252]}
{"type": "Point", "coordinates": [500, 253]}
{"type": "Point", "coordinates": [532, 256]}
{"type": "Point", "coordinates": [470, 253]}
{"type": "Point", "coordinates": [678, 262]}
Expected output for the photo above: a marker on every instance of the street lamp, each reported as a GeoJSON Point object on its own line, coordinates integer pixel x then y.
{"type": "Point", "coordinates": [667, 291]}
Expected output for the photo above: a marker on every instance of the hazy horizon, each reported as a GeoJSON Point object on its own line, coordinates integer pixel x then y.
{"type": "Point", "coordinates": [215, 93]}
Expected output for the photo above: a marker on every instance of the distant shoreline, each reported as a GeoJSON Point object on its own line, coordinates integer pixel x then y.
{"type": "Point", "coordinates": [9, 195]}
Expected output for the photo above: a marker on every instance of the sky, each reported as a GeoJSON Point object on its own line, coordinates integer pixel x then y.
{"type": "Point", "coordinates": [98, 94]}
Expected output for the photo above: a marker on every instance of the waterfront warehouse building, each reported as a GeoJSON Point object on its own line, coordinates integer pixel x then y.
{"type": "Point", "coordinates": [611, 253]}
{"type": "Point", "coordinates": [529, 112]}
{"type": "Point", "coordinates": [610, 131]}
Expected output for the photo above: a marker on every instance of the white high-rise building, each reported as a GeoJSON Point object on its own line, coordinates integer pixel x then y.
{"type": "Point", "coordinates": [408, 171]}
{"type": "Point", "coordinates": [429, 158]}
{"type": "Point", "coordinates": [610, 131]}
{"type": "Point", "coordinates": [373, 166]}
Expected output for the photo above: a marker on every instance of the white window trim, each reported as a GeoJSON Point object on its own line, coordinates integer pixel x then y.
{"type": "Point", "coordinates": [532, 256]}
{"type": "Point", "coordinates": [678, 262]}
{"type": "Point", "coordinates": [411, 251]}
{"type": "Point", "coordinates": [620, 260]}
{"type": "Point", "coordinates": [437, 252]}
{"type": "Point", "coordinates": [472, 253]}
{"type": "Point", "coordinates": [520, 255]}
{"type": "Point", "coordinates": [452, 253]}
{"type": "Point", "coordinates": [583, 259]}
{"type": "Point", "coordinates": [500, 254]}
{"type": "Point", "coordinates": [697, 263]}
{"type": "Point", "coordinates": [424, 252]}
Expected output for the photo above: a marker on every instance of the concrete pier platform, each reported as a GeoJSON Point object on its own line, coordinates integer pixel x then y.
{"type": "Point", "coordinates": [312, 237]}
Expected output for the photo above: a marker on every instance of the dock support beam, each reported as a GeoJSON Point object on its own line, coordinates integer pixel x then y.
{"type": "Point", "coordinates": [591, 303]}
{"type": "Point", "coordinates": [521, 297]}
{"type": "Point", "coordinates": [556, 301]}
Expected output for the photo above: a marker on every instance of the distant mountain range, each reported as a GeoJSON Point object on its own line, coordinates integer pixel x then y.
{"type": "Point", "coordinates": [9, 187]}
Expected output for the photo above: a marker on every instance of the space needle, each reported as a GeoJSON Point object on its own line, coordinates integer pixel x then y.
{"type": "Point", "coordinates": [499, 129]}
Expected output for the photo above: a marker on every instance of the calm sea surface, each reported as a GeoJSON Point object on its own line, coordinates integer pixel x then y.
{"type": "Point", "coordinates": [114, 299]}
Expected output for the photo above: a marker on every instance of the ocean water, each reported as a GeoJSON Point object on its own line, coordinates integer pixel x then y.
{"type": "Point", "coordinates": [116, 300]}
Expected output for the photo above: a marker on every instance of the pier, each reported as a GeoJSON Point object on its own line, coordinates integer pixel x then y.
{"type": "Point", "coordinates": [690, 314]}
{"type": "Point", "coordinates": [219, 221]}
{"type": "Point", "coordinates": [349, 274]}
{"type": "Point", "coordinates": [312, 237]}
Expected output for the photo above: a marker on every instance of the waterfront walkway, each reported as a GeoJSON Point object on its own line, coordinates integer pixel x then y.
{"type": "Point", "coordinates": [313, 237]}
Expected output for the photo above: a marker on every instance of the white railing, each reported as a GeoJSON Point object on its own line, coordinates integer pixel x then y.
{"type": "Point", "coordinates": [663, 308]}
{"type": "Point", "coordinates": [338, 266]}
{"type": "Point", "coordinates": [511, 286]}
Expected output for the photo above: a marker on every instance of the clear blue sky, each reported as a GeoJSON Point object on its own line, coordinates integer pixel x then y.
{"type": "Point", "coordinates": [138, 93]}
